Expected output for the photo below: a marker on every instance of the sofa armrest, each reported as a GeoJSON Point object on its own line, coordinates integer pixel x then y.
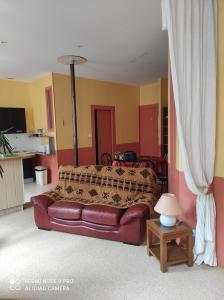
{"type": "Point", "coordinates": [135, 211]}
{"type": "Point", "coordinates": [43, 201]}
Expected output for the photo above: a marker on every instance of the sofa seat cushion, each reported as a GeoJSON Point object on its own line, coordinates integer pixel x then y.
{"type": "Point", "coordinates": [102, 214]}
{"type": "Point", "coordinates": [66, 210]}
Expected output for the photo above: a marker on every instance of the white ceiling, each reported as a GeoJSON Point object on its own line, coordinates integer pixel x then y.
{"type": "Point", "coordinates": [122, 39]}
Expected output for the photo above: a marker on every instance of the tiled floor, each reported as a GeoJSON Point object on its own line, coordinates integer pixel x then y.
{"type": "Point", "coordinates": [33, 189]}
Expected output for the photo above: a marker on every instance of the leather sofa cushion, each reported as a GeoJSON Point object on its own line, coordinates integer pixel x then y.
{"type": "Point", "coordinates": [102, 214]}
{"type": "Point", "coordinates": [66, 210]}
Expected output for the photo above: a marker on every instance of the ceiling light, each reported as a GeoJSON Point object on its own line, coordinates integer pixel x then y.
{"type": "Point", "coordinates": [71, 59]}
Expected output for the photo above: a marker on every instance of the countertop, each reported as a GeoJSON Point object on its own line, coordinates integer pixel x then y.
{"type": "Point", "coordinates": [21, 156]}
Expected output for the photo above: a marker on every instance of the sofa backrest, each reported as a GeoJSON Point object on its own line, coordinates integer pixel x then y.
{"type": "Point", "coordinates": [111, 185]}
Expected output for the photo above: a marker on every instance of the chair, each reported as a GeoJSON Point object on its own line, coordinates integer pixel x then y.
{"type": "Point", "coordinates": [146, 163]}
{"type": "Point", "coordinates": [106, 159]}
{"type": "Point", "coordinates": [130, 156]}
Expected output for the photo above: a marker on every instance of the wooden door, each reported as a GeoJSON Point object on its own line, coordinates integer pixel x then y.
{"type": "Point", "coordinates": [149, 140]}
{"type": "Point", "coordinates": [103, 125]}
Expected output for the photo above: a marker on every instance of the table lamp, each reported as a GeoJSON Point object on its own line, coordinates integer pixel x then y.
{"type": "Point", "coordinates": [169, 208]}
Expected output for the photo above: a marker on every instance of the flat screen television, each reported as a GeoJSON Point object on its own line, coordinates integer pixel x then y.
{"type": "Point", "coordinates": [12, 120]}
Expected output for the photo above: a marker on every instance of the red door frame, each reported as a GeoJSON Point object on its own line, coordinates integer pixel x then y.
{"type": "Point", "coordinates": [113, 126]}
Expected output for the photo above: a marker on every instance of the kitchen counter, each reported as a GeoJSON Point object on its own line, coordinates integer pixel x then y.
{"type": "Point", "coordinates": [12, 183]}
{"type": "Point", "coordinates": [18, 156]}
{"type": "Point", "coordinates": [22, 155]}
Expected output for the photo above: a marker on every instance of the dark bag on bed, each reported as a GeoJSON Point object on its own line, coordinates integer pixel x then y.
{"type": "Point", "coordinates": [130, 156]}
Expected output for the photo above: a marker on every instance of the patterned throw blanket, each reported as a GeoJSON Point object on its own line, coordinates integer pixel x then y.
{"type": "Point", "coordinates": [113, 186]}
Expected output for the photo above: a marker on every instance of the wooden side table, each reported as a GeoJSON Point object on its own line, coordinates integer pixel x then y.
{"type": "Point", "coordinates": [165, 251]}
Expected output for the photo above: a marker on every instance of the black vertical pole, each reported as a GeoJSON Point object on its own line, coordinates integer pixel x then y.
{"type": "Point", "coordinates": [74, 114]}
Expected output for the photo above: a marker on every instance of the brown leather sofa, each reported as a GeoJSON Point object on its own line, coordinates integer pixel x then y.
{"type": "Point", "coordinates": [126, 225]}
{"type": "Point", "coordinates": [96, 220]}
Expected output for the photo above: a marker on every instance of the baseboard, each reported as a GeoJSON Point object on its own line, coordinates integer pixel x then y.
{"type": "Point", "coordinates": [11, 210]}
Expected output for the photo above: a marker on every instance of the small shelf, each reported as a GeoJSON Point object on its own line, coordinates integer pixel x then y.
{"type": "Point", "coordinates": [175, 254]}
{"type": "Point", "coordinates": [164, 130]}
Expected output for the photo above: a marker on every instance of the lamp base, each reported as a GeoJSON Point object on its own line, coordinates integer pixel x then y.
{"type": "Point", "coordinates": [168, 221]}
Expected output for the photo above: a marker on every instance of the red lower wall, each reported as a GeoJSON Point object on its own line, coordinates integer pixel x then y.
{"type": "Point", "coordinates": [188, 201]}
{"type": "Point", "coordinates": [177, 185]}
{"type": "Point", "coordinates": [219, 200]}
{"type": "Point", "coordinates": [87, 154]}
{"type": "Point", "coordinates": [51, 162]}
{"type": "Point", "coordinates": [127, 147]}
{"type": "Point", "coordinates": [66, 157]}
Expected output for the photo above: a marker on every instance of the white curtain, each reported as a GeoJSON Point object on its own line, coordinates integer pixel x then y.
{"type": "Point", "coordinates": [191, 26]}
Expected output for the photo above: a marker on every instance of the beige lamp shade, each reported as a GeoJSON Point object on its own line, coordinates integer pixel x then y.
{"type": "Point", "coordinates": [168, 205]}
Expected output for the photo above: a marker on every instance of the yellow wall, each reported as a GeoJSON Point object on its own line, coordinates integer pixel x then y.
{"type": "Point", "coordinates": [29, 95]}
{"type": "Point", "coordinates": [16, 94]}
{"type": "Point", "coordinates": [155, 92]}
{"type": "Point", "coordinates": [63, 111]}
{"type": "Point", "coordinates": [124, 98]}
{"type": "Point", "coordinates": [38, 100]}
{"type": "Point", "coordinates": [150, 93]}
